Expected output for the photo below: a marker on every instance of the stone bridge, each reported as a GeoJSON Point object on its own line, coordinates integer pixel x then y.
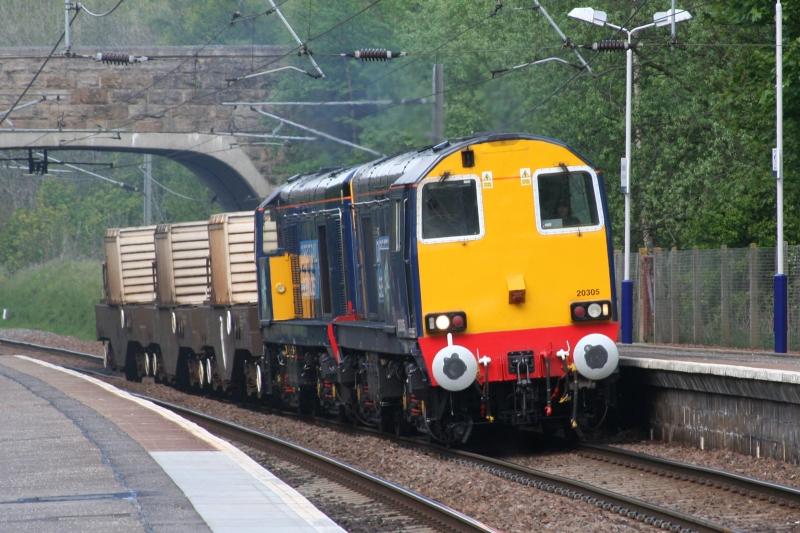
{"type": "Point", "coordinates": [167, 106]}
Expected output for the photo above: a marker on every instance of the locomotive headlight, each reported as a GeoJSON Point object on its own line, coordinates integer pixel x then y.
{"type": "Point", "coordinates": [450, 322]}
{"type": "Point", "coordinates": [583, 311]}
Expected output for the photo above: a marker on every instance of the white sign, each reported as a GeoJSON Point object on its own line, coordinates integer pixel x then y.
{"type": "Point", "coordinates": [524, 176]}
{"type": "Point", "coordinates": [486, 179]}
{"type": "Point", "coordinates": [775, 162]}
{"type": "Point", "coordinates": [623, 174]}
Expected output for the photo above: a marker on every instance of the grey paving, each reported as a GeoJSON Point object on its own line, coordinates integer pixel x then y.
{"type": "Point", "coordinates": [65, 468]}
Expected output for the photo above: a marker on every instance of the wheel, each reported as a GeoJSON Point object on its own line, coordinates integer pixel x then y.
{"type": "Point", "coordinates": [201, 377]}
{"type": "Point", "coordinates": [146, 364]}
{"type": "Point", "coordinates": [208, 370]}
{"type": "Point", "coordinates": [108, 359]}
{"type": "Point", "coordinates": [259, 381]}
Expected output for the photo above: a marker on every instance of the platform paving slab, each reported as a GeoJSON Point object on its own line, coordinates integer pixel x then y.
{"type": "Point", "coordinates": [124, 464]}
{"type": "Point", "coordinates": [64, 468]}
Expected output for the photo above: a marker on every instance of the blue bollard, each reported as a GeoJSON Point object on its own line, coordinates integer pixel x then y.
{"type": "Point", "coordinates": [780, 312]}
{"type": "Point", "coordinates": [627, 312]}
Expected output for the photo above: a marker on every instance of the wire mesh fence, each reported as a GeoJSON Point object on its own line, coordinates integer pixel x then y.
{"type": "Point", "coordinates": [717, 297]}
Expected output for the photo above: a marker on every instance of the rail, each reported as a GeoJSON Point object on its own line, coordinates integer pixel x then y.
{"type": "Point", "coordinates": [764, 490]}
{"type": "Point", "coordinates": [51, 349]}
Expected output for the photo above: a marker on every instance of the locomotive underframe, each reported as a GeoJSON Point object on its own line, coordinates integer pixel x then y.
{"type": "Point", "coordinates": [391, 389]}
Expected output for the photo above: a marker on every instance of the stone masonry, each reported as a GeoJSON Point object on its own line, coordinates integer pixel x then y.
{"type": "Point", "coordinates": [179, 90]}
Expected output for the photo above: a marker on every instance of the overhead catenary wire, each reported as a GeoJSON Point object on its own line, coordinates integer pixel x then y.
{"type": "Point", "coordinates": [303, 46]}
{"type": "Point", "coordinates": [175, 193]}
{"type": "Point", "coordinates": [196, 55]}
{"type": "Point", "coordinates": [214, 92]}
{"type": "Point", "coordinates": [546, 15]}
{"type": "Point", "coordinates": [36, 75]}
{"type": "Point", "coordinates": [80, 6]}
{"type": "Point", "coordinates": [456, 87]}
{"type": "Point", "coordinates": [93, 174]}
{"type": "Point", "coordinates": [572, 78]}
{"type": "Point", "coordinates": [22, 106]}
{"type": "Point", "coordinates": [474, 83]}
{"type": "Point", "coordinates": [157, 79]}
{"type": "Point", "coordinates": [317, 132]}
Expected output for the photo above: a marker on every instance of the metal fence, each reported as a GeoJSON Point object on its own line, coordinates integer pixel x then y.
{"type": "Point", "coordinates": [718, 297]}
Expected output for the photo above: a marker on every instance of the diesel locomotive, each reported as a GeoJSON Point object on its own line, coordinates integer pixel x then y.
{"type": "Point", "coordinates": [467, 283]}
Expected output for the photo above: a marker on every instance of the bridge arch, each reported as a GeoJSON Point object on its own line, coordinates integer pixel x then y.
{"type": "Point", "coordinates": [217, 160]}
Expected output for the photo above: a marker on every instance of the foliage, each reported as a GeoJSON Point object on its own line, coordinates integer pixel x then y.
{"type": "Point", "coordinates": [58, 296]}
{"type": "Point", "coordinates": [703, 108]}
{"type": "Point", "coordinates": [67, 217]}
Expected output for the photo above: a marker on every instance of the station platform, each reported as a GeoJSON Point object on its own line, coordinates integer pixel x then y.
{"type": "Point", "coordinates": [741, 364]}
{"type": "Point", "coordinates": [77, 454]}
{"type": "Point", "coordinates": [739, 400]}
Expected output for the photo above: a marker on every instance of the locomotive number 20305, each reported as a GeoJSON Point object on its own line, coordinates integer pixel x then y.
{"type": "Point", "coordinates": [580, 293]}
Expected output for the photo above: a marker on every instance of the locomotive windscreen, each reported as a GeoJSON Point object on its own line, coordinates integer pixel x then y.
{"type": "Point", "coordinates": [567, 199]}
{"type": "Point", "coordinates": [450, 209]}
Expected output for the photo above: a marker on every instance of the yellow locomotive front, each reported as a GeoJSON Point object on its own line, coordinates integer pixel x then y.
{"type": "Point", "coordinates": [515, 281]}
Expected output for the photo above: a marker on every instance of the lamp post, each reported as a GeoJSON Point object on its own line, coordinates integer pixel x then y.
{"type": "Point", "coordinates": [779, 285]}
{"type": "Point", "coordinates": [600, 18]}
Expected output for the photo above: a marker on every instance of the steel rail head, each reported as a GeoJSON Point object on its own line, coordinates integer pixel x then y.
{"type": "Point", "coordinates": [59, 351]}
{"type": "Point", "coordinates": [790, 495]}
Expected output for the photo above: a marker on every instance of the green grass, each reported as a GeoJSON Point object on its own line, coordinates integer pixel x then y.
{"type": "Point", "coordinates": [58, 296]}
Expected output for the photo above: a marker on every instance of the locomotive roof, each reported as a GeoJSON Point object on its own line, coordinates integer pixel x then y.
{"type": "Point", "coordinates": [399, 170]}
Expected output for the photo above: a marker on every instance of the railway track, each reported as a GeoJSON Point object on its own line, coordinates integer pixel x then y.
{"type": "Point", "coordinates": [665, 494]}
{"type": "Point", "coordinates": [735, 483]}
{"type": "Point", "coordinates": [416, 509]}
{"type": "Point", "coordinates": [573, 486]}
{"type": "Point", "coordinates": [658, 492]}
{"type": "Point", "coordinates": [437, 515]}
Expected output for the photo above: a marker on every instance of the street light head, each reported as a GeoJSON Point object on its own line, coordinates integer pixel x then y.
{"type": "Point", "coordinates": [587, 14]}
{"type": "Point", "coordinates": [664, 18]}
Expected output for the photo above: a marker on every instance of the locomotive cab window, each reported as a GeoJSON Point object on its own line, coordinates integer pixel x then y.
{"type": "Point", "coordinates": [567, 200]}
{"type": "Point", "coordinates": [450, 210]}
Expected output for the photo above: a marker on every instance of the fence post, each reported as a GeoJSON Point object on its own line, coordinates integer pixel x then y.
{"type": "Point", "coordinates": [788, 292]}
{"type": "Point", "coordinates": [656, 260]}
{"type": "Point", "coordinates": [673, 295]}
{"type": "Point", "coordinates": [645, 285]}
{"type": "Point", "coordinates": [755, 319]}
{"type": "Point", "coordinates": [724, 298]}
{"type": "Point", "coordinates": [697, 325]}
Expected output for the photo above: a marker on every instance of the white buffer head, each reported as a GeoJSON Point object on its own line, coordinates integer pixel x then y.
{"type": "Point", "coordinates": [454, 366]}
{"type": "Point", "coordinates": [596, 356]}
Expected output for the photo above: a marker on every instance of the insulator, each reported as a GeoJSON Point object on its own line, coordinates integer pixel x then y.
{"type": "Point", "coordinates": [118, 58]}
{"type": "Point", "coordinates": [376, 54]}
{"type": "Point", "coordinates": [113, 58]}
{"type": "Point", "coordinates": [610, 44]}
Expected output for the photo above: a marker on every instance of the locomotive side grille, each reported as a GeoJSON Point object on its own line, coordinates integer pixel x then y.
{"type": "Point", "coordinates": [290, 240]}
{"type": "Point", "coordinates": [296, 289]}
{"type": "Point", "coordinates": [337, 267]}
